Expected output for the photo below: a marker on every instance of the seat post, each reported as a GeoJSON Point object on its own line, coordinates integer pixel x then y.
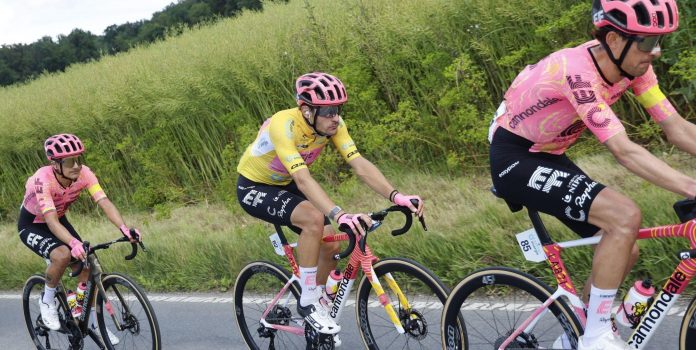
{"type": "Point", "coordinates": [539, 227]}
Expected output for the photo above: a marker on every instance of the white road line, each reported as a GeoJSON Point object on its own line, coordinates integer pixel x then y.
{"type": "Point", "coordinates": [483, 306]}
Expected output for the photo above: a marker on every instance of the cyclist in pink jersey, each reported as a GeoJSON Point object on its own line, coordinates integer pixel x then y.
{"type": "Point", "coordinates": [42, 224]}
{"type": "Point", "coordinates": [275, 184]}
{"type": "Point", "coordinates": [547, 107]}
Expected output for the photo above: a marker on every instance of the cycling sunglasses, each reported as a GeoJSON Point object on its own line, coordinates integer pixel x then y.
{"type": "Point", "coordinates": [647, 43]}
{"type": "Point", "coordinates": [328, 111]}
{"type": "Point", "coordinates": [70, 162]}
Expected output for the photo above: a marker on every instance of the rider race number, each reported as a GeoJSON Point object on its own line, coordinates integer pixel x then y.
{"type": "Point", "coordinates": [531, 246]}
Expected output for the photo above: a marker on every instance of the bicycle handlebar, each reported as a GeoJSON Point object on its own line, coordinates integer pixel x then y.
{"type": "Point", "coordinates": [90, 250]}
{"type": "Point", "coordinates": [377, 218]}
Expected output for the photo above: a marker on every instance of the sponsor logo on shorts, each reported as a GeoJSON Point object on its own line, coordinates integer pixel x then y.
{"type": "Point", "coordinates": [545, 179]}
{"type": "Point", "coordinates": [508, 169]}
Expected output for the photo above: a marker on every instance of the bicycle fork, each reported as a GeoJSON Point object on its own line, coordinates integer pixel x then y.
{"type": "Point", "coordinates": [383, 298]}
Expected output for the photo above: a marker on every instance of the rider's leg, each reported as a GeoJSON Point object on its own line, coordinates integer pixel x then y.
{"type": "Point", "coordinates": [326, 253]}
{"type": "Point", "coordinates": [620, 218]}
{"type": "Point", "coordinates": [60, 258]}
{"type": "Point", "coordinates": [635, 252]}
{"type": "Point", "coordinates": [311, 221]}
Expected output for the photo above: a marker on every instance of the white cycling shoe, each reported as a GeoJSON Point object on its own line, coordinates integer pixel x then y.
{"type": "Point", "coordinates": [562, 342]}
{"type": "Point", "coordinates": [606, 341]}
{"type": "Point", "coordinates": [316, 315]}
{"type": "Point", "coordinates": [49, 314]}
{"type": "Point", "coordinates": [112, 337]}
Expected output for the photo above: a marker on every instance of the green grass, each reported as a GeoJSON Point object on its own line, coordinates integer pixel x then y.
{"type": "Point", "coordinates": [203, 246]}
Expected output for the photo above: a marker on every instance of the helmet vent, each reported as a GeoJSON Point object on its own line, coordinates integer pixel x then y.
{"type": "Point", "coordinates": [642, 14]}
{"type": "Point", "coordinates": [670, 14]}
{"type": "Point", "coordinates": [660, 20]}
{"type": "Point", "coordinates": [619, 16]}
{"type": "Point", "coordinates": [59, 148]}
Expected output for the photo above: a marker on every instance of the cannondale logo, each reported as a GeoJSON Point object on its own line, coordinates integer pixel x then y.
{"type": "Point", "coordinates": [590, 118]}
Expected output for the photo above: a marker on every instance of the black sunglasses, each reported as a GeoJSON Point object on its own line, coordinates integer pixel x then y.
{"type": "Point", "coordinates": [329, 111]}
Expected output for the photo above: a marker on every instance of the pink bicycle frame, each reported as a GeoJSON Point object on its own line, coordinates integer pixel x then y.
{"type": "Point", "coordinates": [664, 300]}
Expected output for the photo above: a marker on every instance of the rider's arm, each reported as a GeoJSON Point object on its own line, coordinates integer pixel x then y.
{"type": "Point", "coordinates": [111, 212]}
{"type": "Point", "coordinates": [680, 133]}
{"type": "Point", "coordinates": [315, 194]}
{"type": "Point", "coordinates": [56, 227]}
{"type": "Point", "coordinates": [644, 164]}
{"type": "Point", "coordinates": [373, 177]}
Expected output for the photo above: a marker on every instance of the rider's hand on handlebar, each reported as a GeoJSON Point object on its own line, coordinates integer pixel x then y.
{"type": "Point", "coordinates": [77, 250]}
{"type": "Point", "coordinates": [126, 232]}
{"type": "Point", "coordinates": [405, 201]}
{"type": "Point", "coordinates": [354, 222]}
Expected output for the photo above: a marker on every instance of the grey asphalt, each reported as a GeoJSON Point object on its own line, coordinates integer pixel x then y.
{"type": "Point", "coordinates": [205, 321]}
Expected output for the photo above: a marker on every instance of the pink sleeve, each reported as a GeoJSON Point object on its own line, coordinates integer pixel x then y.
{"type": "Point", "coordinates": [650, 96]}
{"type": "Point", "coordinates": [42, 190]}
{"type": "Point", "coordinates": [92, 184]}
{"type": "Point", "coordinates": [591, 108]}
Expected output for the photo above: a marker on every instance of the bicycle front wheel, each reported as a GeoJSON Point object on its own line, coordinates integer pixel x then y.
{"type": "Point", "coordinates": [425, 294]}
{"type": "Point", "coordinates": [257, 285]}
{"type": "Point", "coordinates": [687, 333]}
{"type": "Point", "coordinates": [496, 301]}
{"type": "Point", "coordinates": [126, 305]}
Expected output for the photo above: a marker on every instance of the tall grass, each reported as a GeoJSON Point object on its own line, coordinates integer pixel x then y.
{"type": "Point", "coordinates": [166, 124]}
{"type": "Point", "coordinates": [204, 246]}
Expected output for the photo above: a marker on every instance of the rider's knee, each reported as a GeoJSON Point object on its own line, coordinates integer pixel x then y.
{"type": "Point", "coordinates": [626, 218]}
{"type": "Point", "coordinates": [61, 256]}
{"type": "Point", "coordinates": [330, 247]}
{"type": "Point", "coordinates": [635, 252]}
{"type": "Point", "coordinates": [313, 223]}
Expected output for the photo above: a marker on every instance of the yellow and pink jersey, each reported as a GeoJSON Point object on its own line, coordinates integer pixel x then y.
{"type": "Point", "coordinates": [285, 144]}
{"type": "Point", "coordinates": [44, 193]}
{"type": "Point", "coordinates": [552, 102]}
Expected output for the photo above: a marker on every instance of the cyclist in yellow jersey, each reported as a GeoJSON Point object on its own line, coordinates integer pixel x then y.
{"type": "Point", "coordinates": [275, 184]}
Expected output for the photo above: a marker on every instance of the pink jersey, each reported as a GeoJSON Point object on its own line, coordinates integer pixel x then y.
{"type": "Point", "coordinates": [44, 193]}
{"type": "Point", "coordinates": [550, 103]}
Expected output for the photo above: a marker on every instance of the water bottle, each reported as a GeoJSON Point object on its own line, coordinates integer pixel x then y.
{"type": "Point", "coordinates": [81, 289]}
{"type": "Point", "coordinates": [72, 304]}
{"type": "Point", "coordinates": [332, 283]}
{"type": "Point", "coordinates": [635, 303]}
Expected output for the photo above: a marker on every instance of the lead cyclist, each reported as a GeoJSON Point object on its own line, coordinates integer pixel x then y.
{"type": "Point", "coordinates": [275, 184]}
{"type": "Point", "coordinates": [544, 112]}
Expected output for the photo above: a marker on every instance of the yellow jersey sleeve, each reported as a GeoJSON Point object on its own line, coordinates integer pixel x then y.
{"type": "Point", "coordinates": [344, 143]}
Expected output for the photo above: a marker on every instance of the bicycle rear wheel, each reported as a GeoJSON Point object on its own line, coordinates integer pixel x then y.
{"type": "Point", "coordinates": [257, 285]}
{"type": "Point", "coordinates": [131, 310]}
{"type": "Point", "coordinates": [67, 337]}
{"type": "Point", "coordinates": [426, 295]}
{"type": "Point", "coordinates": [495, 301]}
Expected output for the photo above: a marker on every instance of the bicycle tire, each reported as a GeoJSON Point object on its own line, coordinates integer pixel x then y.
{"type": "Point", "coordinates": [256, 286]}
{"type": "Point", "coordinates": [485, 290]}
{"type": "Point", "coordinates": [42, 338]}
{"type": "Point", "coordinates": [133, 311]}
{"type": "Point", "coordinates": [417, 283]}
{"type": "Point", "coordinates": [687, 330]}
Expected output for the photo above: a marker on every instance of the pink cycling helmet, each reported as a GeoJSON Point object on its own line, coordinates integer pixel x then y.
{"type": "Point", "coordinates": [641, 17]}
{"type": "Point", "coordinates": [62, 146]}
{"type": "Point", "coordinates": [320, 89]}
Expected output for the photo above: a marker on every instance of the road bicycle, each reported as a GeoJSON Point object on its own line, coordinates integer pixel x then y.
{"type": "Point", "coordinates": [505, 308]}
{"type": "Point", "coordinates": [121, 306]}
{"type": "Point", "coordinates": [266, 297]}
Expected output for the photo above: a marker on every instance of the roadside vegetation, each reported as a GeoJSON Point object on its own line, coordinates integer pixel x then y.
{"type": "Point", "coordinates": [165, 125]}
